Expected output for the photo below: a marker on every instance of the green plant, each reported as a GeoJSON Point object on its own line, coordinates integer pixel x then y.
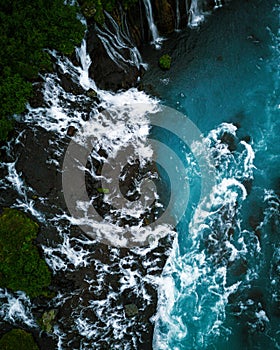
{"type": "Point", "coordinates": [6, 126]}
{"type": "Point", "coordinates": [165, 62]}
{"type": "Point", "coordinates": [95, 8]}
{"type": "Point", "coordinates": [103, 190]}
{"type": "Point", "coordinates": [18, 339]}
{"type": "Point", "coordinates": [21, 267]}
{"type": "Point", "coordinates": [27, 29]}
{"type": "Point", "coordinates": [47, 320]}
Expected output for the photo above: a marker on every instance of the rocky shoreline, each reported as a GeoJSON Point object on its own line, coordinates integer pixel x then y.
{"type": "Point", "coordinates": [45, 179]}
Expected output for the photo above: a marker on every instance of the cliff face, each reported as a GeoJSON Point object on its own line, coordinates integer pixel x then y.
{"type": "Point", "coordinates": [109, 70]}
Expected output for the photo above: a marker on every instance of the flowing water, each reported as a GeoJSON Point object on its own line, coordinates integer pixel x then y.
{"type": "Point", "coordinates": [156, 39]}
{"type": "Point", "coordinates": [220, 286]}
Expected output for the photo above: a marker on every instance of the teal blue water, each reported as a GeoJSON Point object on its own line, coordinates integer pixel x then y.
{"type": "Point", "coordinates": [221, 285]}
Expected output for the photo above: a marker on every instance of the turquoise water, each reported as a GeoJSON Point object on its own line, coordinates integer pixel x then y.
{"type": "Point", "coordinates": [221, 285]}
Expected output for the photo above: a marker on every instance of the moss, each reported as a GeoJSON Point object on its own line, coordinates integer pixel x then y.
{"type": "Point", "coordinates": [95, 8]}
{"type": "Point", "coordinates": [18, 339]}
{"type": "Point", "coordinates": [165, 62]}
{"type": "Point", "coordinates": [21, 267]}
{"type": "Point", "coordinates": [103, 190]}
{"type": "Point", "coordinates": [6, 126]}
{"type": "Point", "coordinates": [47, 320]}
{"type": "Point", "coordinates": [40, 25]}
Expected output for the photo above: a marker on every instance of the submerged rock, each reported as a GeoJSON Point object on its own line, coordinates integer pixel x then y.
{"type": "Point", "coordinates": [68, 84]}
{"type": "Point", "coordinates": [229, 140]}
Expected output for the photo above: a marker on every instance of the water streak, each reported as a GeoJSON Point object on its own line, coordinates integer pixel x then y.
{"type": "Point", "coordinates": [156, 39]}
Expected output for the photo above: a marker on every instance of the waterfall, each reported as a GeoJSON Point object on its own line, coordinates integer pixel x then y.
{"type": "Point", "coordinates": [85, 62]}
{"type": "Point", "coordinates": [218, 3]}
{"type": "Point", "coordinates": [178, 16]}
{"type": "Point", "coordinates": [155, 35]}
{"type": "Point", "coordinates": [118, 44]}
{"type": "Point", "coordinates": [196, 15]}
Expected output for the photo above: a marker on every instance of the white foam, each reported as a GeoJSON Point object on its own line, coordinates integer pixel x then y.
{"type": "Point", "coordinates": [16, 308]}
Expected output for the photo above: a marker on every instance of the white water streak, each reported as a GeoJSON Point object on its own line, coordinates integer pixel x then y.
{"type": "Point", "coordinates": [118, 44]}
{"type": "Point", "coordinates": [153, 28]}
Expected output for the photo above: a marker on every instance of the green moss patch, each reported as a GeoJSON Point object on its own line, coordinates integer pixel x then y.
{"type": "Point", "coordinates": [21, 267]}
{"type": "Point", "coordinates": [17, 339]}
{"type": "Point", "coordinates": [165, 62]}
{"type": "Point", "coordinates": [47, 321]}
{"type": "Point", "coordinates": [27, 29]}
{"type": "Point", "coordinates": [95, 8]}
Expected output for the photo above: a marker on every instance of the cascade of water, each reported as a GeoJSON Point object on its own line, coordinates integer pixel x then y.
{"type": "Point", "coordinates": [178, 16]}
{"type": "Point", "coordinates": [118, 44]}
{"type": "Point", "coordinates": [218, 3]}
{"type": "Point", "coordinates": [16, 307]}
{"type": "Point", "coordinates": [196, 15]}
{"type": "Point", "coordinates": [85, 61]}
{"type": "Point", "coordinates": [149, 13]}
{"type": "Point", "coordinates": [125, 122]}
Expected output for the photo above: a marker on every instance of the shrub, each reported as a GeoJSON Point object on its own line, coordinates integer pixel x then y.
{"type": "Point", "coordinates": [95, 8]}
{"type": "Point", "coordinates": [18, 339]}
{"type": "Point", "coordinates": [26, 30]}
{"type": "Point", "coordinates": [21, 267]}
{"type": "Point", "coordinates": [165, 62]}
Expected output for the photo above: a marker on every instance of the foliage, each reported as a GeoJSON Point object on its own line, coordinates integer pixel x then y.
{"type": "Point", "coordinates": [27, 29]}
{"type": "Point", "coordinates": [165, 62]}
{"type": "Point", "coordinates": [47, 320]}
{"type": "Point", "coordinates": [6, 126]}
{"type": "Point", "coordinates": [127, 3]}
{"type": "Point", "coordinates": [103, 190]}
{"type": "Point", "coordinates": [21, 267]}
{"type": "Point", "coordinates": [95, 8]}
{"type": "Point", "coordinates": [18, 339]}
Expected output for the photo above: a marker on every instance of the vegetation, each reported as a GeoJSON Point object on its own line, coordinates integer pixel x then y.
{"type": "Point", "coordinates": [47, 321]}
{"type": "Point", "coordinates": [27, 29]}
{"type": "Point", "coordinates": [95, 8]}
{"type": "Point", "coordinates": [21, 267]}
{"type": "Point", "coordinates": [103, 190]}
{"type": "Point", "coordinates": [18, 339]}
{"type": "Point", "coordinates": [165, 62]}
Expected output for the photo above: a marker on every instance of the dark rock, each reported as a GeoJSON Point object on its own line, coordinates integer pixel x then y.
{"type": "Point", "coordinates": [246, 138]}
{"type": "Point", "coordinates": [131, 310]}
{"type": "Point", "coordinates": [37, 98]}
{"type": "Point", "coordinates": [164, 16]}
{"type": "Point", "coordinates": [106, 73]}
{"type": "Point", "coordinates": [91, 93]}
{"type": "Point", "coordinates": [237, 124]}
{"type": "Point", "coordinates": [229, 140]}
{"type": "Point", "coordinates": [71, 130]}
{"type": "Point", "coordinates": [37, 171]}
{"type": "Point", "coordinates": [248, 184]}
{"type": "Point", "coordinates": [239, 267]}
{"type": "Point", "coordinates": [68, 84]}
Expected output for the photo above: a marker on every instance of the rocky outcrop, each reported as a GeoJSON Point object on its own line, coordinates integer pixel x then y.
{"type": "Point", "coordinates": [105, 71]}
{"type": "Point", "coordinates": [164, 16]}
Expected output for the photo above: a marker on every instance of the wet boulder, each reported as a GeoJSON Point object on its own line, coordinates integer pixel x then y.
{"type": "Point", "coordinates": [131, 310]}
{"type": "Point", "coordinates": [229, 140]}
{"type": "Point", "coordinates": [71, 131]}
